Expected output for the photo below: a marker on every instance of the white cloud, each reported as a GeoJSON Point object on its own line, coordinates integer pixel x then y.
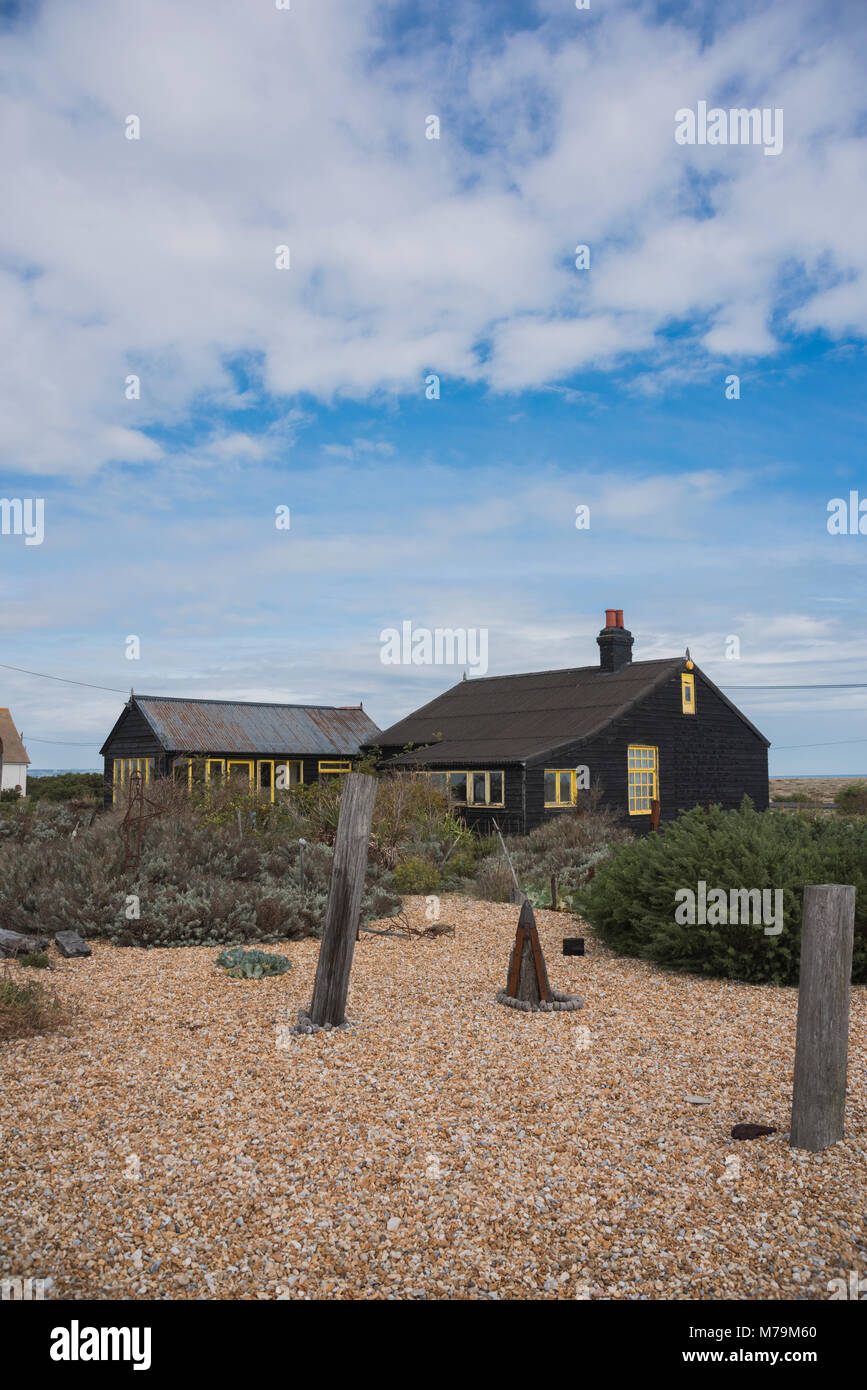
{"type": "Point", "coordinates": [262, 127]}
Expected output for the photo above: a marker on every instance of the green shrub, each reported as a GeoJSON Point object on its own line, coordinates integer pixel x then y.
{"type": "Point", "coordinates": [852, 800]}
{"type": "Point", "coordinates": [631, 900]}
{"type": "Point", "coordinates": [416, 875]}
{"type": "Point", "coordinates": [252, 965]}
{"type": "Point", "coordinates": [37, 960]}
{"type": "Point", "coordinates": [197, 884]}
{"type": "Point", "coordinates": [10, 794]}
{"type": "Point", "coordinates": [563, 847]}
{"type": "Point", "coordinates": [66, 786]}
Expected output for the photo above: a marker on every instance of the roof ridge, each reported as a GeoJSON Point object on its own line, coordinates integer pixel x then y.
{"type": "Point", "coordinates": [566, 670]}
{"type": "Point", "coordinates": [260, 704]}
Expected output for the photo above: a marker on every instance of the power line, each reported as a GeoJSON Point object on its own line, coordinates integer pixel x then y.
{"type": "Point", "coordinates": [835, 743]}
{"type": "Point", "coordinates": [65, 679]}
{"type": "Point", "coordinates": [852, 685]}
{"type": "Point", "coordinates": [60, 742]}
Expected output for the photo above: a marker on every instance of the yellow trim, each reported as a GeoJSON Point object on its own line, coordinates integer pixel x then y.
{"type": "Point", "coordinates": [327, 767]}
{"type": "Point", "coordinates": [266, 762]}
{"type": "Point", "coordinates": [470, 774]}
{"type": "Point", "coordinates": [121, 770]}
{"type": "Point", "coordinates": [215, 762]}
{"type": "Point", "coordinates": [642, 762]}
{"type": "Point", "coordinates": [248, 763]}
{"type": "Point", "coordinates": [559, 772]}
{"type": "Point", "coordinates": [687, 693]}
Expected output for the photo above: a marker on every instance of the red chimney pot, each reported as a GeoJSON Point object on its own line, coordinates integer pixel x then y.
{"type": "Point", "coordinates": [611, 617]}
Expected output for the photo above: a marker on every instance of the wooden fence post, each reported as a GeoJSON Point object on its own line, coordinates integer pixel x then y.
{"type": "Point", "coordinates": [819, 1092]}
{"type": "Point", "coordinates": [345, 888]}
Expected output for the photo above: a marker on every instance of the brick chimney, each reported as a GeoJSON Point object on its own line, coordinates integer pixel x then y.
{"type": "Point", "coordinates": [615, 643]}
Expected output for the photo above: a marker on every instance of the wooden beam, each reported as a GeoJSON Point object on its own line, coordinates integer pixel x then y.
{"type": "Point", "coordinates": [819, 1092]}
{"type": "Point", "coordinates": [345, 888]}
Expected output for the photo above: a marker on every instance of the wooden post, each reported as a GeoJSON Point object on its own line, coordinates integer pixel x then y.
{"type": "Point", "coordinates": [345, 888]}
{"type": "Point", "coordinates": [819, 1092]}
{"type": "Point", "coordinates": [655, 807]}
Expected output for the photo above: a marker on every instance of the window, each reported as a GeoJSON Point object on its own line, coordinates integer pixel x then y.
{"type": "Point", "coordinates": [332, 769]}
{"type": "Point", "coordinates": [471, 788]}
{"type": "Point", "coordinates": [214, 772]}
{"type": "Point", "coordinates": [561, 787]}
{"type": "Point", "coordinates": [687, 694]}
{"type": "Point", "coordinates": [642, 767]}
{"type": "Point", "coordinates": [458, 787]}
{"type": "Point", "coordinates": [239, 774]}
{"type": "Point", "coordinates": [181, 771]}
{"type": "Point", "coordinates": [122, 770]}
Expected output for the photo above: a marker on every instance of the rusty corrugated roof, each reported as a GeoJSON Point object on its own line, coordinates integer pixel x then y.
{"type": "Point", "coordinates": [240, 726]}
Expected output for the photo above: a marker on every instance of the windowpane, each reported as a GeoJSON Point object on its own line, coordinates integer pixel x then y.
{"type": "Point", "coordinates": [550, 788]}
{"type": "Point", "coordinates": [565, 788]}
{"type": "Point", "coordinates": [458, 786]}
{"type": "Point", "coordinates": [215, 771]}
{"type": "Point", "coordinates": [479, 789]}
{"type": "Point", "coordinates": [496, 788]}
{"type": "Point", "coordinates": [265, 776]}
{"type": "Point", "coordinates": [440, 780]}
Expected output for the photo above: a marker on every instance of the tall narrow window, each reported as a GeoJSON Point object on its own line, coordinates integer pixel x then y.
{"type": "Point", "coordinates": [643, 776]}
{"type": "Point", "coordinates": [687, 693]}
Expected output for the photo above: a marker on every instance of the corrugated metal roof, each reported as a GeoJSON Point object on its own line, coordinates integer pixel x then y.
{"type": "Point", "coordinates": [516, 718]}
{"type": "Point", "coordinates": [11, 747]}
{"type": "Point", "coordinates": [240, 726]}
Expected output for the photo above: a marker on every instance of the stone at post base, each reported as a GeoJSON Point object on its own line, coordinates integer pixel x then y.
{"type": "Point", "coordinates": [528, 998]}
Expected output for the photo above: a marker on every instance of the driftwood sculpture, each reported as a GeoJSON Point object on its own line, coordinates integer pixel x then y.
{"type": "Point", "coordinates": [527, 985]}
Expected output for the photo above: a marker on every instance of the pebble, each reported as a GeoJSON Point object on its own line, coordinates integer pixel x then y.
{"type": "Point", "coordinates": [510, 1147]}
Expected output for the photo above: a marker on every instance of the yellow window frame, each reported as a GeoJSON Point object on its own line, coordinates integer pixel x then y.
{"type": "Point", "coordinates": [266, 762]}
{"type": "Point", "coordinates": [329, 767]}
{"type": "Point", "coordinates": [687, 693]}
{"type": "Point", "coordinates": [215, 762]}
{"type": "Point", "coordinates": [248, 763]}
{"type": "Point", "coordinates": [558, 772]}
{"type": "Point", "coordinates": [471, 795]}
{"type": "Point", "coordinates": [642, 764]}
{"type": "Point", "coordinates": [122, 768]}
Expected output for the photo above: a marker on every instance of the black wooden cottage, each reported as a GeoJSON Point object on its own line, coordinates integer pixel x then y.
{"type": "Point", "coordinates": [245, 744]}
{"type": "Point", "coordinates": [523, 748]}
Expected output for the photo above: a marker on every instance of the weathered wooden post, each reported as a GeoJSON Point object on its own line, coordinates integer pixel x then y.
{"type": "Point", "coordinates": [345, 888]}
{"type": "Point", "coordinates": [819, 1092]}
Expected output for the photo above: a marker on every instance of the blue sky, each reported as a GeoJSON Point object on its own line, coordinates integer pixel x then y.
{"type": "Point", "coordinates": [305, 387]}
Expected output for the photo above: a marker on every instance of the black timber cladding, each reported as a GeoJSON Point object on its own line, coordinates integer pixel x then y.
{"type": "Point", "coordinates": [586, 716]}
{"type": "Point", "coordinates": [162, 727]}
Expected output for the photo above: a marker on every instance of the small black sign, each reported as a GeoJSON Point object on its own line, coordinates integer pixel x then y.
{"type": "Point", "coordinates": [573, 945]}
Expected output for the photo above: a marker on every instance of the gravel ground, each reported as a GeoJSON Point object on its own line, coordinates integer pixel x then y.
{"type": "Point", "coordinates": [175, 1142]}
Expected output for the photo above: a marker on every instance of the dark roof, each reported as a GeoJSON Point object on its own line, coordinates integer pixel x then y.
{"type": "Point", "coordinates": [516, 718]}
{"type": "Point", "coordinates": [241, 726]}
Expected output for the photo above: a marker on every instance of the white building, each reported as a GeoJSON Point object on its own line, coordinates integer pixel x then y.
{"type": "Point", "coordinates": [13, 755]}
